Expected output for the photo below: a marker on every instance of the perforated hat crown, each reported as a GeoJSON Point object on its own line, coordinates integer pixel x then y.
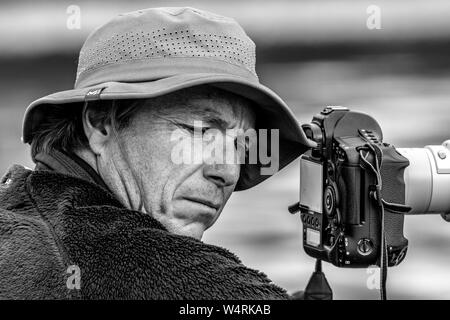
{"type": "Point", "coordinates": [152, 52]}
{"type": "Point", "coordinates": [156, 43]}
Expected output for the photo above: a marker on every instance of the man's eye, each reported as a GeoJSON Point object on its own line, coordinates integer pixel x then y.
{"type": "Point", "coordinates": [194, 129]}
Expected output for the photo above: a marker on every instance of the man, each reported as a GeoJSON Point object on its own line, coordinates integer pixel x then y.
{"type": "Point", "coordinates": [108, 212]}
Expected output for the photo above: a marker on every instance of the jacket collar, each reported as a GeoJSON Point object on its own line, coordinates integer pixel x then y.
{"type": "Point", "coordinates": [55, 196]}
{"type": "Point", "coordinates": [70, 164]}
{"type": "Point", "coordinates": [54, 193]}
{"type": "Point", "coordinates": [50, 191]}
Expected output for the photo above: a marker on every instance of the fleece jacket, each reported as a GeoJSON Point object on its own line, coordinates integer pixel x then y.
{"type": "Point", "coordinates": [64, 237]}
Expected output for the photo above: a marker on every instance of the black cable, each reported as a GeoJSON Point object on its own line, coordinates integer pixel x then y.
{"type": "Point", "coordinates": [379, 199]}
{"type": "Point", "coordinates": [384, 256]}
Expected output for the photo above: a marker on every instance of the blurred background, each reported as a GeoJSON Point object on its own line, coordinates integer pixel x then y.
{"type": "Point", "coordinates": [312, 53]}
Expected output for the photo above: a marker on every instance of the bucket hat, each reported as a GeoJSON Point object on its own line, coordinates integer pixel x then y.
{"type": "Point", "coordinates": [152, 52]}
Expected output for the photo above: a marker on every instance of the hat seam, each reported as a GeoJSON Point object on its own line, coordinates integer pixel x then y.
{"type": "Point", "coordinates": [123, 61]}
{"type": "Point", "coordinates": [102, 84]}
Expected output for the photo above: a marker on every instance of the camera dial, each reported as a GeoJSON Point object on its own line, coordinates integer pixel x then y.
{"type": "Point", "coordinates": [329, 200]}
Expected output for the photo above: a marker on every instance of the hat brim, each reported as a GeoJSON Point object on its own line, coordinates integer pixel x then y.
{"type": "Point", "coordinates": [274, 112]}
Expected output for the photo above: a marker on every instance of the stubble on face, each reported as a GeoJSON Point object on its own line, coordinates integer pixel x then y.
{"type": "Point", "coordinates": [188, 198]}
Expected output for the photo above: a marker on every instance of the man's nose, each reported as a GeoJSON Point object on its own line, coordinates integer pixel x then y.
{"type": "Point", "coordinates": [222, 175]}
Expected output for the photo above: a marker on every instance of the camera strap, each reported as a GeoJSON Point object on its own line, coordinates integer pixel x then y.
{"type": "Point", "coordinates": [376, 169]}
{"type": "Point", "coordinates": [374, 164]}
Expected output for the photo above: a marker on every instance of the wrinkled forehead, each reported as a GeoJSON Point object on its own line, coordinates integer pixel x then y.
{"type": "Point", "coordinates": [215, 106]}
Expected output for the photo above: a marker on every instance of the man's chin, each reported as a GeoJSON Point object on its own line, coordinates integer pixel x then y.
{"type": "Point", "coordinates": [193, 229]}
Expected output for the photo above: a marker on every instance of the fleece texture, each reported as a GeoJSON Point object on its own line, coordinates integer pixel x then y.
{"type": "Point", "coordinates": [50, 221]}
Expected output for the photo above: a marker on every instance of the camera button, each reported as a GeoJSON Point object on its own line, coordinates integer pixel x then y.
{"type": "Point", "coordinates": [365, 247]}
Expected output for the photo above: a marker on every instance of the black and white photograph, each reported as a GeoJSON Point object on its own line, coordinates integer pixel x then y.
{"type": "Point", "coordinates": [241, 152]}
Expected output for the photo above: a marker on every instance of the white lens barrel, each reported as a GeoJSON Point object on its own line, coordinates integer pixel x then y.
{"type": "Point", "coordinates": [427, 179]}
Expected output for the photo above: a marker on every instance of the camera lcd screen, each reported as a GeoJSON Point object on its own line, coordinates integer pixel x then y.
{"type": "Point", "coordinates": [311, 192]}
{"type": "Point", "coordinates": [312, 237]}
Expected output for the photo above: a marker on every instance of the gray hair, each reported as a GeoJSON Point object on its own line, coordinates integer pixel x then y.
{"type": "Point", "coordinates": [63, 126]}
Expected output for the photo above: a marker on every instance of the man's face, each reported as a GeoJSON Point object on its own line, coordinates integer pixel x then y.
{"type": "Point", "coordinates": [186, 198]}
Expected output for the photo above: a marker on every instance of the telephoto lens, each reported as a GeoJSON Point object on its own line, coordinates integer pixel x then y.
{"type": "Point", "coordinates": [427, 178]}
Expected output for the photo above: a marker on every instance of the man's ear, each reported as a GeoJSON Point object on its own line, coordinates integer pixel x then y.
{"type": "Point", "coordinates": [98, 134]}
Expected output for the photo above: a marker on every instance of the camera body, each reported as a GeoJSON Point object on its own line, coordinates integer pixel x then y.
{"type": "Point", "coordinates": [342, 222]}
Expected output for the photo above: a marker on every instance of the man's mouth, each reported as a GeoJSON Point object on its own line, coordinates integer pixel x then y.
{"type": "Point", "coordinates": [211, 204]}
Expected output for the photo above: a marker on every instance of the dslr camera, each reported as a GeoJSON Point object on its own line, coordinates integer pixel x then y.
{"type": "Point", "coordinates": [355, 190]}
